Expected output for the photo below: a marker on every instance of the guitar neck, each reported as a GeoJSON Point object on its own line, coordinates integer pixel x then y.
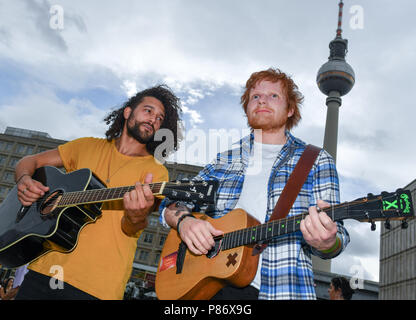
{"type": "Point", "coordinates": [103, 195]}
{"type": "Point", "coordinates": [271, 229]}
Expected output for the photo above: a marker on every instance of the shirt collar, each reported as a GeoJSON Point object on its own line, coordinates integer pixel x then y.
{"type": "Point", "coordinates": [246, 144]}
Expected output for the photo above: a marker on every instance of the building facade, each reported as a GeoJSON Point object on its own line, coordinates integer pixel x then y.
{"type": "Point", "coordinates": [16, 143]}
{"type": "Point", "coordinates": [398, 258]}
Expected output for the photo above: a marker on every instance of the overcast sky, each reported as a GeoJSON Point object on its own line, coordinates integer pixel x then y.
{"type": "Point", "coordinates": [63, 76]}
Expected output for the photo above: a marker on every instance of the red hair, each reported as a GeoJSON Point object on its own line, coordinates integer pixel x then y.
{"type": "Point", "coordinates": [293, 96]}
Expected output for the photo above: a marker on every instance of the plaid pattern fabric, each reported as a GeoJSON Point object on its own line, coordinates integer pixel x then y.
{"type": "Point", "coordinates": [286, 271]}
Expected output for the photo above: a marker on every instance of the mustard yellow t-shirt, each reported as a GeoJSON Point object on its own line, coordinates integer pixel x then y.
{"type": "Point", "coordinates": [102, 261]}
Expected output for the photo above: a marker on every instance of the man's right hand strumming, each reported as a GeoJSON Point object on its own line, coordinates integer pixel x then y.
{"type": "Point", "coordinates": [29, 190]}
{"type": "Point", "coordinates": [197, 234]}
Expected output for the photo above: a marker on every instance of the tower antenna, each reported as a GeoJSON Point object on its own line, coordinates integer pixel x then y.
{"type": "Point", "coordinates": [335, 78]}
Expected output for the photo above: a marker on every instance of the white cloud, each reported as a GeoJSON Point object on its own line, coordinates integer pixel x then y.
{"type": "Point", "coordinates": [195, 116]}
{"type": "Point", "coordinates": [199, 48]}
{"type": "Point", "coordinates": [43, 111]}
{"type": "Point", "coordinates": [129, 87]}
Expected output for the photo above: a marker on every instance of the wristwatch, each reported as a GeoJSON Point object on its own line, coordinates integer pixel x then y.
{"type": "Point", "coordinates": [188, 205]}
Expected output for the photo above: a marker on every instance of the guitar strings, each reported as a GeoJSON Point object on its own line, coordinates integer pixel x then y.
{"type": "Point", "coordinates": [72, 195]}
{"type": "Point", "coordinates": [77, 201]}
{"type": "Point", "coordinates": [76, 196]}
{"type": "Point", "coordinates": [157, 184]}
{"type": "Point", "coordinates": [349, 205]}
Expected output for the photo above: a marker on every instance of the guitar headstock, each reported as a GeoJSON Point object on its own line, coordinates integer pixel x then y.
{"type": "Point", "coordinates": [201, 192]}
{"type": "Point", "coordinates": [384, 207]}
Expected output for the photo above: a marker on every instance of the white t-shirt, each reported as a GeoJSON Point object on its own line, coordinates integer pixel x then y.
{"type": "Point", "coordinates": [253, 198]}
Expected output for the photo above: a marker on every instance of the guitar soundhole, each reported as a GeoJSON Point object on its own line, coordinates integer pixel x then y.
{"type": "Point", "coordinates": [50, 203]}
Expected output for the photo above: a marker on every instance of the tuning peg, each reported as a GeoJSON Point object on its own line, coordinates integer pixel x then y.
{"type": "Point", "coordinates": [387, 225]}
{"type": "Point", "coordinates": [373, 225]}
{"type": "Point", "coordinates": [404, 224]}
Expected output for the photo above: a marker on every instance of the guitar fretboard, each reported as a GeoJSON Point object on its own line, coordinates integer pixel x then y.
{"type": "Point", "coordinates": [271, 229]}
{"type": "Point", "coordinates": [100, 195]}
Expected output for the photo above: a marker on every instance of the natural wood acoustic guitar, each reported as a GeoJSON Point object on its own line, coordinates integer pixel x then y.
{"type": "Point", "coordinates": [183, 275]}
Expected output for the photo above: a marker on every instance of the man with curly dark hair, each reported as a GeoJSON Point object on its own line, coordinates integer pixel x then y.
{"type": "Point", "coordinates": [169, 101]}
{"type": "Point", "coordinates": [101, 264]}
{"type": "Point", "coordinates": [340, 289]}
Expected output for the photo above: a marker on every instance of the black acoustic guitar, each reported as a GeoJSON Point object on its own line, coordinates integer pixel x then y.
{"type": "Point", "coordinates": [74, 200]}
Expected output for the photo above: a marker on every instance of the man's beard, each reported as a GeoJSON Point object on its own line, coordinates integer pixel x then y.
{"type": "Point", "coordinates": [266, 123]}
{"type": "Point", "coordinates": [142, 136]}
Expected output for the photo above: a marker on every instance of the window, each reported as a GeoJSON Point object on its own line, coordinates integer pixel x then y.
{"type": "Point", "coordinates": [162, 240]}
{"type": "Point", "coordinates": [4, 191]}
{"type": "Point", "coordinates": [20, 149]}
{"type": "Point", "coordinates": [153, 221]}
{"type": "Point", "coordinates": [157, 257]}
{"type": "Point", "coordinates": [6, 146]}
{"type": "Point", "coordinates": [181, 176]}
{"type": "Point", "coordinates": [148, 238]}
{"type": "Point", "coordinates": [30, 149]}
{"type": "Point", "coordinates": [8, 176]}
{"type": "Point", "coordinates": [13, 162]}
{"type": "Point", "coordinates": [2, 160]}
{"type": "Point", "coordinates": [9, 146]}
{"type": "Point", "coordinates": [143, 255]}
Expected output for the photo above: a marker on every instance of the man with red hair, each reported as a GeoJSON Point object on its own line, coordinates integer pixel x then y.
{"type": "Point", "coordinates": [271, 102]}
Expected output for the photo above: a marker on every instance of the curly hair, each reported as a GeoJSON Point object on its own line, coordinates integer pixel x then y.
{"type": "Point", "coordinates": [293, 96]}
{"type": "Point", "coordinates": [173, 112]}
{"type": "Point", "coordinates": [343, 284]}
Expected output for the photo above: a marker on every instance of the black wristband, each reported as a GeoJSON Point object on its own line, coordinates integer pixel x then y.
{"type": "Point", "coordinates": [181, 218]}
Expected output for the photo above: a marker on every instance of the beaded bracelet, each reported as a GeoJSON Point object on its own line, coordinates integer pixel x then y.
{"type": "Point", "coordinates": [334, 248]}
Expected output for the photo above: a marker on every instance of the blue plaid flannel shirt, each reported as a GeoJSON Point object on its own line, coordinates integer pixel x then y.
{"type": "Point", "coordinates": [286, 271]}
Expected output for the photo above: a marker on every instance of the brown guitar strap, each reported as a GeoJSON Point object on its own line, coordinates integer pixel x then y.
{"type": "Point", "coordinates": [292, 187]}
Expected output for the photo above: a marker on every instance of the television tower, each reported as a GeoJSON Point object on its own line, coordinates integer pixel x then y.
{"type": "Point", "coordinates": [335, 78]}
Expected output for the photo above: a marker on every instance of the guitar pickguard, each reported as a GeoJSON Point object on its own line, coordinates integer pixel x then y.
{"type": "Point", "coordinates": [215, 250]}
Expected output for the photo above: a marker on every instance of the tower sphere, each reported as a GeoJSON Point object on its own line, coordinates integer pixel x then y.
{"type": "Point", "coordinates": [335, 75]}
